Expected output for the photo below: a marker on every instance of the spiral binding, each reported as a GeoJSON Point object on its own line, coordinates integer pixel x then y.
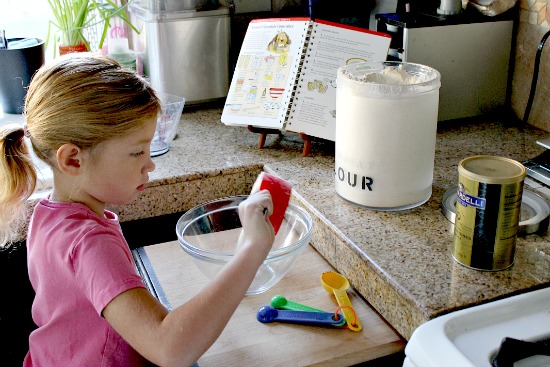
{"type": "Point", "coordinates": [304, 54]}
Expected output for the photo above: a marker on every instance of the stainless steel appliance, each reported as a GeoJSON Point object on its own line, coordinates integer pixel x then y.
{"type": "Point", "coordinates": [185, 51]}
{"type": "Point", "coordinates": [470, 50]}
{"type": "Point", "coordinates": [539, 166]}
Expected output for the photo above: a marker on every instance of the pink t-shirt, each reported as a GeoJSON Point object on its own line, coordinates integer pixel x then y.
{"type": "Point", "coordinates": [78, 262]}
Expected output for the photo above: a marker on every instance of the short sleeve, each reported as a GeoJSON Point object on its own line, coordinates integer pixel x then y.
{"type": "Point", "coordinates": [104, 267]}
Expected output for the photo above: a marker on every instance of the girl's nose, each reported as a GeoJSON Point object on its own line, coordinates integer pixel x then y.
{"type": "Point", "coordinates": [150, 166]}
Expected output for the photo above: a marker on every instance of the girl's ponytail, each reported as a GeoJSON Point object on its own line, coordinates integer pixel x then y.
{"type": "Point", "coordinates": [17, 181]}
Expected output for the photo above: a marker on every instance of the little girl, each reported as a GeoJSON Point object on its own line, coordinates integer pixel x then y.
{"type": "Point", "coordinates": [92, 122]}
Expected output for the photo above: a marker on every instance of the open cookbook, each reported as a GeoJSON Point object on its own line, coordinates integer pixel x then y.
{"type": "Point", "coordinates": [285, 76]}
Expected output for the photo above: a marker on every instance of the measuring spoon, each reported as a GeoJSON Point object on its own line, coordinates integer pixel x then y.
{"type": "Point", "coordinates": [337, 284]}
{"type": "Point", "coordinates": [270, 314]}
{"type": "Point", "coordinates": [282, 303]}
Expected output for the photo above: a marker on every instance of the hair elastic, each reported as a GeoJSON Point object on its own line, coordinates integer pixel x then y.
{"type": "Point", "coordinates": [26, 131]}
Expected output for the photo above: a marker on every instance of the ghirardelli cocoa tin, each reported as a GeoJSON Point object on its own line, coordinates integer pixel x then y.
{"type": "Point", "coordinates": [487, 212]}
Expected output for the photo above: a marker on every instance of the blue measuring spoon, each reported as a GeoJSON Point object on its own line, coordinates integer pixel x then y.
{"type": "Point", "coordinates": [282, 303]}
{"type": "Point", "coordinates": [269, 313]}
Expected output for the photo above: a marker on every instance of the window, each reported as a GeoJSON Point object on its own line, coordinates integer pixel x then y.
{"type": "Point", "coordinates": [28, 18]}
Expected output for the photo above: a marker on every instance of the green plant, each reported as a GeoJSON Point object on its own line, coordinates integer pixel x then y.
{"type": "Point", "coordinates": [73, 17]}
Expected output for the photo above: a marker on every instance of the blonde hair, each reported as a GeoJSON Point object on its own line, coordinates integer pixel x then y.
{"type": "Point", "coordinates": [79, 98]}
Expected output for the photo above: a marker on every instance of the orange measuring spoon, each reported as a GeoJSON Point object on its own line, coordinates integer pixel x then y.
{"type": "Point", "coordinates": [337, 284]}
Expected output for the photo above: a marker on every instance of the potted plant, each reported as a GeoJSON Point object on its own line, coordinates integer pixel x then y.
{"type": "Point", "coordinates": [74, 17]}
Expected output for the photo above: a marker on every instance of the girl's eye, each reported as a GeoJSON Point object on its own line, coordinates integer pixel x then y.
{"type": "Point", "coordinates": [137, 154]}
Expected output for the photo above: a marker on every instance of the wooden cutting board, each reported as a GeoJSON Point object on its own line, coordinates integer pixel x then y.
{"type": "Point", "coordinates": [248, 342]}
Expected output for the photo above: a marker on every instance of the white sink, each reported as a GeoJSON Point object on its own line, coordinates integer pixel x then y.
{"type": "Point", "coordinates": [471, 337]}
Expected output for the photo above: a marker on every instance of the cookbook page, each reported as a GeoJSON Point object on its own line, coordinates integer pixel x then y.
{"type": "Point", "coordinates": [331, 46]}
{"type": "Point", "coordinates": [265, 74]}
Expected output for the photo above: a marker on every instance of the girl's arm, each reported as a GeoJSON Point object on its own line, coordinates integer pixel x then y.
{"type": "Point", "coordinates": [182, 336]}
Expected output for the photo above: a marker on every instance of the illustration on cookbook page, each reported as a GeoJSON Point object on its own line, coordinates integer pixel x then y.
{"type": "Point", "coordinates": [265, 72]}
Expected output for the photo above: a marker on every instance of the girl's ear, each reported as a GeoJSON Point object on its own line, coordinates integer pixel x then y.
{"type": "Point", "coordinates": [69, 159]}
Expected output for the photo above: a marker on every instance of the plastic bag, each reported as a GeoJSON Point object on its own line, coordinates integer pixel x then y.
{"type": "Point", "coordinates": [492, 7]}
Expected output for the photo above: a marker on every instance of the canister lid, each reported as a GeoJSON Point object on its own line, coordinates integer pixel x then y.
{"type": "Point", "coordinates": [492, 170]}
{"type": "Point", "coordinates": [388, 79]}
{"type": "Point", "coordinates": [534, 211]}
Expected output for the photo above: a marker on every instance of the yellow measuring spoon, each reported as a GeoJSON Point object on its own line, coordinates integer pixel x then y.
{"type": "Point", "coordinates": [337, 284]}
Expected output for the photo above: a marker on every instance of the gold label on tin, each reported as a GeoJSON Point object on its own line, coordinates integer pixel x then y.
{"type": "Point", "coordinates": [465, 221]}
{"type": "Point", "coordinates": [507, 226]}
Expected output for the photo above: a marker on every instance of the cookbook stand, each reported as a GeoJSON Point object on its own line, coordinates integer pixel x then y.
{"type": "Point", "coordinates": [264, 131]}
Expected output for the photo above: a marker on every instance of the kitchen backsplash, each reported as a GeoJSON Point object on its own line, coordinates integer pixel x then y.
{"type": "Point", "coordinates": [534, 22]}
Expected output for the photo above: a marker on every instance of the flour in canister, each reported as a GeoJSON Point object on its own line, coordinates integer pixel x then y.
{"type": "Point", "coordinates": [392, 75]}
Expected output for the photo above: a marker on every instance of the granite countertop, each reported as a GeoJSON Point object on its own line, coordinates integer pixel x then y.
{"type": "Point", "coordinates": [400, 262]}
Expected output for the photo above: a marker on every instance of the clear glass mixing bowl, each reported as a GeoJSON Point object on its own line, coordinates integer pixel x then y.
{"type": "Point", "coordinates": [209, 233]}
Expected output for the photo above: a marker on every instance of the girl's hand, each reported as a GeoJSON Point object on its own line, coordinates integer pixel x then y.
{"type": "Point", "coordinates": [254, 213]}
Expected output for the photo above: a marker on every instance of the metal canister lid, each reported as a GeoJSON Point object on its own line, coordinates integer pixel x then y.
{"type": "Point", "coordinates": [534, 215]}
{"type": "Point", "coordinates": [492, 169]}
